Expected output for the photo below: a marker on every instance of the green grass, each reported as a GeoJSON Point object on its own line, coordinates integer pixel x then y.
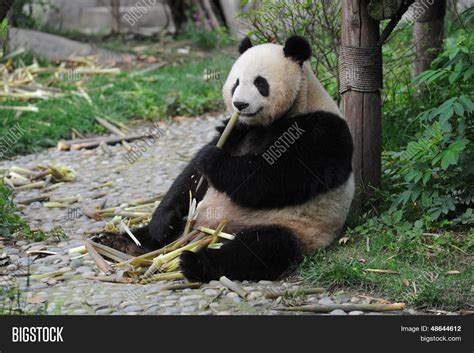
{"type": "Point", "coordinates": [422, 260]}
{"type": "Point", "coordinates": [10, 221]}
{"type": "Point", "coordinates": [172, 90]}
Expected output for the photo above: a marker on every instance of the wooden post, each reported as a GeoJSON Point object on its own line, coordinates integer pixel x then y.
{"type": "Point", "coordinates": [363, 109]}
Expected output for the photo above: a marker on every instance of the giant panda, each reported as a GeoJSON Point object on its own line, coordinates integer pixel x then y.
{"type": "Point", "coordinates": [283, 179]}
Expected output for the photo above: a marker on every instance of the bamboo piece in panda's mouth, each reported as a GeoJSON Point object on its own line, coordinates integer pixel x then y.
{"type": "Point", "coordinates": [225, 135]}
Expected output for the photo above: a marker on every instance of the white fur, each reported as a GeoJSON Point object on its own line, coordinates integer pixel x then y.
{"type": "Point", "coordinates": [290, 86]}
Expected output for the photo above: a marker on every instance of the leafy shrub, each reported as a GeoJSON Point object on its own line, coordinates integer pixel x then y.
{"type": "Point", "coordinates": [217, 38]}
{"type": "Point", "coordinates": [10, 222]}
{"type": "Point", "coordinates": [434, 173]}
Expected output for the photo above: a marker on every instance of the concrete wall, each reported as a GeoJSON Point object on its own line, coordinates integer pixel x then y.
{"type": "Point", "coordinates": [94, 16]}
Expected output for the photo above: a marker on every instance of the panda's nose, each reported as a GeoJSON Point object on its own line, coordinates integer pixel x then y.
{"type": "Point", "coordinates": [240, 105]}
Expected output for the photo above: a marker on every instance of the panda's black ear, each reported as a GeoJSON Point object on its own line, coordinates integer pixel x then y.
{"type": "Point", "coordinates": [298, 49]}
{"type": "Point", "coordinates": [244, 45]}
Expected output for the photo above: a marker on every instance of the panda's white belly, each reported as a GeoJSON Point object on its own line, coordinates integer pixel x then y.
{"type": "Point", "coordinates": [315, 223]}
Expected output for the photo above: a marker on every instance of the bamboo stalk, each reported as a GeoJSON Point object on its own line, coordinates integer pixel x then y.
{"type": "Point", "coordinates": [54, 186]}
{"type": "Point", "coordinates": [78, 133]}
{"type": "Point", "coordinates": [92, 214]}
{"type": "Point", "coordinates": [124, 228]}
{"type": "Point", "coordinates": [163, 258]}
{"type": "Point", "coordinates": [23, 171]}
{"type": "Point", "coordinates": [146, 201]}
{"type": "Point", "coordinates": [36, 185]}
{"type": "Point", "coordinates": [180, 286]}
{"type": "Point", "coordinates": [220, 234]}
{"type": "Point", "coordinates": [114, 130]}
{"type": "Point", "coordinates": [184, 239]}
{"type": "Point", "coordinates": [34, 199]}
{"type": "Point", "coordinates": [99, 261]}
{"type": "Point", "coordinates": [304, 291]}
{"type": "Point", "coordinates": [223, 138]}
{"type": "Point", "coordinates": [318, 308]}
{"type": "Point", "coordinates": [109, 126]}
{"type": "Point", "coordinates": [28, 108]}
{"type": "Point", "coordinates": [234, 287]}
{"type": "Point", "coordinates": [49, 274]}
{"type": "Point", "coordinates": [162, 277]}
{"type": "Point", "coordinates": [79, 249]}
{"type": "Point", "coordinates": [64, 145]}
{"type": "Point", "coordinates": [111, 252]}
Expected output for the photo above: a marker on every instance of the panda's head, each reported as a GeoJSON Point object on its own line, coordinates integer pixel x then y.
{"type": "Point", "coordinates": [265, 80]}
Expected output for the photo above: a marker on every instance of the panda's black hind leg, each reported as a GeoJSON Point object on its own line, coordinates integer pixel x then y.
{"type": "Point", "coordinates": [257, 253]}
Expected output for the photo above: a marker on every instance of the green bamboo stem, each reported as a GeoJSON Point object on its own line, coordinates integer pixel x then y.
{"type": "Point", "coordinates": [225, 135]}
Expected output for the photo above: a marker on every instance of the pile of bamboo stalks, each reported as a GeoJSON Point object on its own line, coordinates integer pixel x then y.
{"type": "Point", "coordinates": [21, 81]}
{"type": "Point", "coordinates": [41, 177]}
{"type": "Point", "coordinates": [135, 213]}
{"type": "Point", "coordinates": [158, 265]}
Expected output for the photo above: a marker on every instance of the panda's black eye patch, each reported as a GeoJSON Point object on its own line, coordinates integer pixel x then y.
{"type": "Point", "coordinates": [262, 86]}
{"type": "Point", "coordinates": [235, 86]}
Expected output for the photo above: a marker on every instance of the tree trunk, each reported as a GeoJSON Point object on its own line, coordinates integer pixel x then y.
{"type": "Point", "coordinates": [428, 32]}
{"type": "Point", "coordinates": [362, 108]}
{"type": "Point", "coordinates": [178, 10]}
{"type": "Point", "coordinates": [115, 9]}
{"type": "Point", "coordinates": [213, 21]}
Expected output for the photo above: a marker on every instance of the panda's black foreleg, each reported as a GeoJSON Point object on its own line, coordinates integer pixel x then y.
{"type": "Point", "coordinates": [168, 220]}
{"type": "Point", "coordinates": [256, 253]}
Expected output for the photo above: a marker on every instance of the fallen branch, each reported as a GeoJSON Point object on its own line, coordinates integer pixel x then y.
{"type": "Point", "coordinates": [376, 270]}
{"type": "Point", "coordinates": [110, 279]}
{"type": "Point", "coordinates": [318, 308]}
{"type": "Point", "coordinates": [108, 140]}
{"type": "Point", "coordinates": [303, 291]}
{"type": "Point", "coordinates": [88, 143]}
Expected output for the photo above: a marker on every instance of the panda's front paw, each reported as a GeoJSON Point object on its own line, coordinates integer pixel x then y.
{"type": "Point", "coordinates": [196, 266]}
{"type": "Point", "coordinates": [121, 242]}
{"type": "Point", "coordinates": [208, 158]}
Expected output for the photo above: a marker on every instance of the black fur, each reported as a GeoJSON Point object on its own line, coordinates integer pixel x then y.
{"type": "Point", "coordinates": [262, 86]}
{"type": "Point", "coordinates": [256, 253]}
{"type": "Point", "coordinates": [317, 161]}
{"type": "Point", "coordinates": [245, 44]}
{"type": "Point", "coordinates": [234, 87]}
{"type": "Point", "coordinates": [298, 49]}
{"type": "Point", "coordinates": [169, 218]}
